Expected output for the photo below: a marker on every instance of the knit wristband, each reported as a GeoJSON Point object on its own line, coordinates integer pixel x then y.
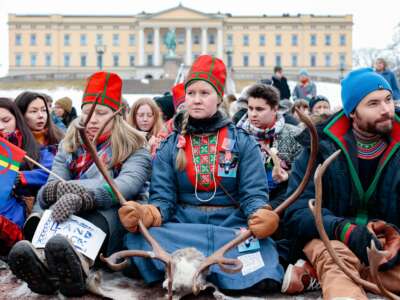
{"type": "Point", "coordinates": [110, 191]}
{"type": "Point", "coordinates": [346, 231]}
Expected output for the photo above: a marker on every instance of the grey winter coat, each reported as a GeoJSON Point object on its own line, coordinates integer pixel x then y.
{"type": "Point", "coordinates": [130, 179]}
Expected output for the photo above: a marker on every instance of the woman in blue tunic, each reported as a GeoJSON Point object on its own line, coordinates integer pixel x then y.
{"type": "Point", "coordinates": [208, 183]}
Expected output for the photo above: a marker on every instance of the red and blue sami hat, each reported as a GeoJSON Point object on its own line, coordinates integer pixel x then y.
{"type": "Point", "coordinates": [210, 69]}
{"type": "Point", "coordinates": [107, 86]}
{"type": "Point", "coordinates": [178, 94]}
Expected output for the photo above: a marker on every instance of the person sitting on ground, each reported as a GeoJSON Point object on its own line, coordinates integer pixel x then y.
{"type": "Point", "coordinates": [239, 107]}
{"type": "Point", "coordinates": [13, 211]}
{"type": "Point", "coordinates": [84, 191]}
{"type": "Point", "coordinates": [319, 105]}
{"type": "Point", "coordinates": [208, 181]}
{"type": "Point", "coordinates": [285, 108]}
{"type": "Point", "coordinates": [270, 130]}
{"type": "Point", "coordinates": [361, 189]}
{"type": "Point", "coordinates": [65, 111]}
{"type": "Point", "coordinates": [33, 107]}
{"type": "Point", "coordinates": [56, 120]}
{"type": "Point", "coordinates": [145, 116]}
{"type": "Point", "coordinates": [166, 105]}
{"type": "Point", "coordinates": [303, 106]}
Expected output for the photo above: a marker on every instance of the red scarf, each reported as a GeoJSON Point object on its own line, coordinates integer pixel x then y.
{"type": "Point", "coordinates": [84, 160]}
{"type": "Point", "coordinates": [14, 138]}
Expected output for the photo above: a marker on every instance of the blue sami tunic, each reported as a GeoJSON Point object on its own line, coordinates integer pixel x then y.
{"type": "Point", "coordinates": [189, 222]}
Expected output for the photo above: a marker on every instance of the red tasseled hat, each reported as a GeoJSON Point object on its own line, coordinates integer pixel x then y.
{"type": "Point", "coordinates": [108, 86]}
{"type": "Point", "coordinates": [210, 69]}
{"type": "Point", "coordinates": [178, 94]}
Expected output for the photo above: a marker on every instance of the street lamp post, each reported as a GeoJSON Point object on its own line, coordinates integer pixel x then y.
{"type": "Point", "coordinates": [229, 53]}
{"type": "Point", "coordinates": [100, 49]}
{"type": "Point", "coordinates": [341, 72]}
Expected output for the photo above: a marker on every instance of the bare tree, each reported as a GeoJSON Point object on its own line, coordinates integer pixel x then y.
{"type": "Point", "coordinates": [365, 57]}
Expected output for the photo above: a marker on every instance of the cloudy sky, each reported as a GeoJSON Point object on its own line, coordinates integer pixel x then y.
{"type": "Point", "coordinates": [374, 21]}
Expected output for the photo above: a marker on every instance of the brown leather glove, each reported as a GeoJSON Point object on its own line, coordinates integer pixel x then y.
{"type": "Point", "coordinates": [131, 212]}
{"type": "Point", "coordinates": [389, 236]}
{"type": "Point", "coordinates": [264, 222]}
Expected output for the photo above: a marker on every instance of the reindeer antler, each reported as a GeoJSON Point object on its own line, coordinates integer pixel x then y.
{"type": "Point", "coordinates": [218, 256]}
{"type": "Point", "coordinates": [375, 257]}
{"type": "Point", "coordinates": [316, 210]}
{"type": "Point", "coordinates": [159, 253]}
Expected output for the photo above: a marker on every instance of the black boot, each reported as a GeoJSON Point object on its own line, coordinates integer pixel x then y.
{"type": "Point", "coordinates": [70, 266]}
{"type": "Point", "coordinates": [26, 263]}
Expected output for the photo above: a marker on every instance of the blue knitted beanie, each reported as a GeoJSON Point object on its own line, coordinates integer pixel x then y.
{"type": "Point", "coordinates": [358, 84]}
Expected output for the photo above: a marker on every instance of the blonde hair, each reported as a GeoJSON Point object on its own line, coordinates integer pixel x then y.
{"type": "Point", "coordinates": [125, 140]}
{"type": "Point", "coordinates": [158, 124]}
{"type": "Point", "coordinates": [181, 156]}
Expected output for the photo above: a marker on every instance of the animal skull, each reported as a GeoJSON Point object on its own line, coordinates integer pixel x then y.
{"type": "Point", "coordinates": [184, 263]}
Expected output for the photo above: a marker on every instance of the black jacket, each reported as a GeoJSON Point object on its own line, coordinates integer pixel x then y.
{"type": "Point", "coordinates": [343, 194]}
{"type": "Point", "coordinates": [282, 86]}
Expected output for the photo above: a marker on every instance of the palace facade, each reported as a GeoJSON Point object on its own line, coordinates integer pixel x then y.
{"type": "Point", "coordinates": [133, 46]}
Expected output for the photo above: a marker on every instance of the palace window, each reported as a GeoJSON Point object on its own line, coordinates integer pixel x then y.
{"type": "Point", "coordinates": [131, 60]}
{"type": "Point", "coordinates": [278, 40]}
{"type": "Point", "coordinates": [116, 60]}
{"type": "Point", "coordinates": [196, 39]}
{"type": "Point", "coordinates": [33, 39]}
{"type": "Point", "coordinates": [47, 39]}
{"type": "Point", "coordinates": [261, 60]}
{"type": "Point", "coordinates": [131, 40]}
{"type": "Point", "coordinates": [245, 60]}
{"type": "Point", "coordinates": [262, 40]}
{"type": "Point", "coordinates": [313, 60]}
{"type": "Point", "coordinates": [328, 60]}
{"type": "Point", "coordinates": [278, 59]}
{"type": "Point", "coordinates": [33, 59]}
{"type": "Point", "coordinates": [67, 40]}
{"type": "Point", "coordinates": [294, 60]}
{"type": "Point", "coordinates": [18, 39]}
{"type": "Point", "coordinates": [115, 39]}
{"type": "Point", "coordinates": [295, 40]}
{"type": "Point", "coordinates": [342, 40]}
{"type": "Point", "coordinates": [83, 60]}
{"type": "Point", "coordinates": [229, 40]}
{"type": "Point", "coordinates": [83, 40]}
{"type": "Point", "coordinates": [211, 39]}
{"type": "Point", "coordinates": [48, 59]}
{"type": "Point", "coordinates": [149, 38]}
{"type": "Point", "coordinates": [328, 40]}
{"type": "Point", "coordinates": [99, 39]}
{"type": "Point", "coordinates": [245, 40]}
{"type": "Point", "coordinates": [67, 59]}
{"type": "Point", "coordinates": [18, 59]}
{"type": "Point", "coordinates": [313, 40]}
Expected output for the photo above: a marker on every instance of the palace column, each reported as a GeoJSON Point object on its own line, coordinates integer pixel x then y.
{"type": "Point", "coordinates": [141, 46]}
{"type": "Point", "coordinates": [188, 56]}
{"type": "Point", "coordinates": [156, 44]}
{"type": "Point", "coordinates": [220, 43]}
{"type": "Point", "coordinates": [204, 40]}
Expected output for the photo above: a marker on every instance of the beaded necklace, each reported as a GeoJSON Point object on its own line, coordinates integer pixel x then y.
{"type": "Point", "coordinates": [212, 171]}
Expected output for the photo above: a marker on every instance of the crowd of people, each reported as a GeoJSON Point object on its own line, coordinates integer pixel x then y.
{"type": "Point", "coordinates": [197, 167]}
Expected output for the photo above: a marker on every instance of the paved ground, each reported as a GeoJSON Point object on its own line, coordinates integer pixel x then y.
{"type": "Point", "coordinates": [119, 287]}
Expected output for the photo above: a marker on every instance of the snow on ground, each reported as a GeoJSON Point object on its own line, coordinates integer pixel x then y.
{"type": "Point", "coordinates": [329, 90]}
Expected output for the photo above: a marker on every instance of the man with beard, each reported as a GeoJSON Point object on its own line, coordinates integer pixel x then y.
{"type": "Point", "coordinates": [361, 189]}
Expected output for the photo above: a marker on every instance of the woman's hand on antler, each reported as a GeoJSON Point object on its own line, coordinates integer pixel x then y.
{"type": "Point", "coordinates": [132, 212]}
{"type": "Point", "coordinates": [263, 222]}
